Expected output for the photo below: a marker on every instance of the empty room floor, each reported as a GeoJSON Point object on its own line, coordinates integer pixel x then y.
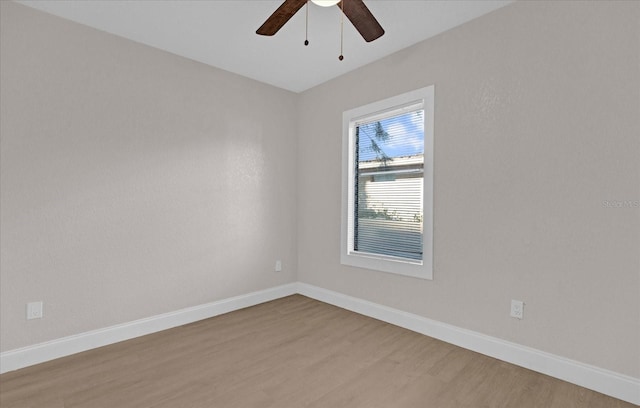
{"type": "Point", "coordinates": [291, 352]}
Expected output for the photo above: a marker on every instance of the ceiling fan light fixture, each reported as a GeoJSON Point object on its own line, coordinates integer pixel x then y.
{"type": "Point", "coordinates": [356, 11]}
{"type": "Point", "coordinates": [325, 3]}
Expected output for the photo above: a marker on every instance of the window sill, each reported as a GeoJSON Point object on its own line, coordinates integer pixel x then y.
{"type": "Point", "coordinates": [397, 266]}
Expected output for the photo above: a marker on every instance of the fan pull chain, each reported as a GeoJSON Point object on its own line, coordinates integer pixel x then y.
{"type": "Point", "coordinates": [306, 25]}
{"type": "Point", "coordinates": [341, 57]}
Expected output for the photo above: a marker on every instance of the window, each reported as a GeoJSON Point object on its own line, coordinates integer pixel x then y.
{"type": "Point", "coordinates": [387, 185]}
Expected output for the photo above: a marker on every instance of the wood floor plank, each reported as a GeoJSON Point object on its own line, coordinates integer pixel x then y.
{"type": "Point", "coordinates": [290, 353]}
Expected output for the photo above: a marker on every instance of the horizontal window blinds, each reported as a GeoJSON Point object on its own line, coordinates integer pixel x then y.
{"type": "Point", "coordinates": [389, 185]}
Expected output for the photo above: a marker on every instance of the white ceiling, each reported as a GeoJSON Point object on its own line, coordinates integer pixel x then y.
{"type": "Point", "coordinates": [222, 33]}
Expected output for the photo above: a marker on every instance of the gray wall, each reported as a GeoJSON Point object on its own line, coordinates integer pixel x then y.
{"type": "Point", "coordinates": [537, 122]}
{"type": "Point", "coordinates": [134, 182]}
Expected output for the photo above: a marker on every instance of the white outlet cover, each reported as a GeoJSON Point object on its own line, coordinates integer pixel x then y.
{"type": "Point", "coordinates": [517, 309]}
{"type": "Point", "coordinates": [34, 310]}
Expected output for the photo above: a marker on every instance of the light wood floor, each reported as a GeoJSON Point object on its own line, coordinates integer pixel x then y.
{"type": "Point", "coordinates": [290, 353]}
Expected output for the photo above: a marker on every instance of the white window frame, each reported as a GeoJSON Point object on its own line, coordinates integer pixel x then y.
{"type": "Point", "coordinates": [401, 266]}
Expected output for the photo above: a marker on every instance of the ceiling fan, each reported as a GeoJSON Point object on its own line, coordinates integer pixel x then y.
{"type": "Point", "coordinates": [355, 10]}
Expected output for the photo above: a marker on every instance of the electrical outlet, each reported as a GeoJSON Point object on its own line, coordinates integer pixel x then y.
{"type": "Point", "coordinates": [517, 309]}
{"type": "Point", "coordinates": [278, 267]}
{"type": "Point", "coordinates": [34, 310]}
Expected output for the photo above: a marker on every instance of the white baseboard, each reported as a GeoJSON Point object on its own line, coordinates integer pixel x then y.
{"type": "Point", "coordinates": [50, 350]}
{"type": "Point", "coordinates": [607, 382]}
{"type": "Point", "coordinates": [604, 381]}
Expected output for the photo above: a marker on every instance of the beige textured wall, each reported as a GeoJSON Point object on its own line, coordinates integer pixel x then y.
{"type": "Point", "coordinates": [537, 123]}
{"type": "Point", "coordinates": [133, 182]}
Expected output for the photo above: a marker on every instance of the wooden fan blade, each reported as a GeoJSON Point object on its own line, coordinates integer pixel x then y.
{"type": "Point", "coordinates": [280, 17]}
{"type": "Point", "coordinates": [362, 19]}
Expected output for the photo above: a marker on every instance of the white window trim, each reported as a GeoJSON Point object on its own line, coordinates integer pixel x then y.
{"type": "Point", "coordinates": [419, 269]}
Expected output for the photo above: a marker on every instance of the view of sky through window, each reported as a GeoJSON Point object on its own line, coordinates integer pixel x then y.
{"type": "Point", "coordinates": [397, 136]}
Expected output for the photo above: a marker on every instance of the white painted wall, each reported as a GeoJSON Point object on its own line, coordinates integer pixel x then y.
{"type": "Point", "coordinates": [133, 182]}
{"type": "Point", "coordinates": [537, 123]}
